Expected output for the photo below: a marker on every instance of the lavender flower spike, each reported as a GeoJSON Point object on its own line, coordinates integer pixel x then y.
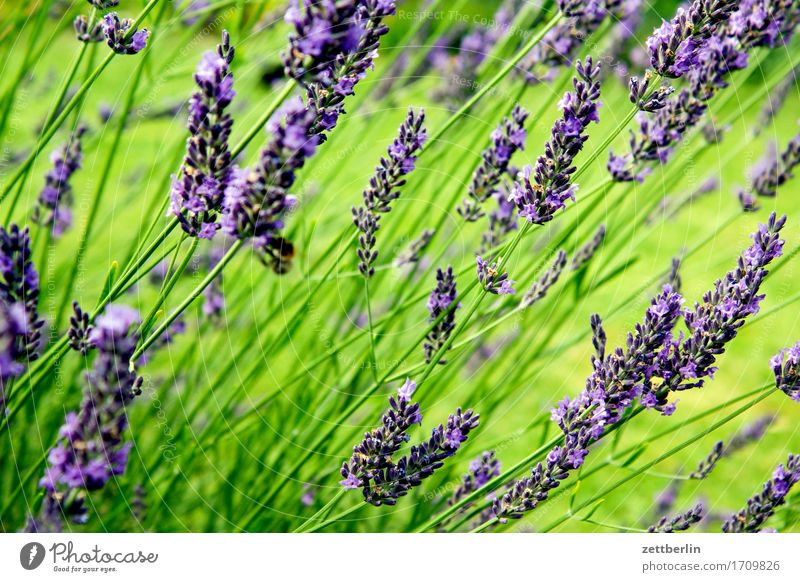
{"type": "Point", "coordinates": [372, 467]}
{"type": "Point", "coordinates": [674, 47]}
{"type": "Point", "coordinates": [610, 390]}
{"type": "Point", "coordinates": [509, 137]}
{"type": "Point", "coordinates": [325, 33]}
{"type": "Point", "coordinates": [85, 34]}
{"type": "Point", "coordinates": [762, 505]}
{"type": "Point", "coordinates": [680, 522]}
{"type": "Point", "coordinates": [542, 191]}
{"type": "Point", "coordinates": [20, 330]}
{"type": "Point", "coordinates": [385, 184]}
{"type": "Point", "coordinates": [256, 202]}
{"type": "Point", "coordinates": [786, 366]}
{"type": "Point", "coordinates": [439, 305]}
{"type": "Point", "coordinates": [549, 278]}
{"type": "Point", "coordinates": [121, 37]}
{"type": "Point", "coordinates": [481, 471]}
{"type": "Point", "coordinates": [53, 206]}
{"type": "Point", "coordinates": [196, 197]}
{"type": "Point", "coordinates": [336, 45]}
{"type": "Point", "coordinates": [91, 448]}
{"type": "Point", "coordinates": [492, 280]}
{"type": "Point", "coordinates": [685, 364]}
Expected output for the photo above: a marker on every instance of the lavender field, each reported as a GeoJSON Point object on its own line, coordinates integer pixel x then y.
{"type": "Point", "coordinates": [399, 266]}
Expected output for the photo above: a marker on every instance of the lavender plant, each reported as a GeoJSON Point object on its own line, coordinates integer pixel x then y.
{"type": "Point", "coordinates": [196, 196]}
{"type": "Point", "coordinates": [509, 137]}
{"type": "Point", "coordinates": [19, 301]}
{"type": "Point", "coordinates": [542, 191]}
{"type": "Point", "coordinates": [442, 309]}
{"type": "Point", "coordinates": [762, 506]}
{"type": "Point", "coordinates": [384, 186]}
{"type": "Point", "coordinates": [92, 448]}
{"type": "Point", "coordinates": [372, 467]}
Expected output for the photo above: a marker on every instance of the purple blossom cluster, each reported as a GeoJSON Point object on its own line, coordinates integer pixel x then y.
{"type": "Point", "coordinates": [256, 201]}
{"type": "Point", "coordinates": [53, 209]}
{"type": "Point", "coordinates": [121, 35]}
{"type": "Point", "coordinates": [324, 32]}
{"type": "Point", "coordinates": [713, 39]}
{"type": "Point", "coordinates": [786, 367]}
{"type": "Point", "coordinates": [442, 312]}
{"type": "Point", "coordinates": [331, 50]}
{"type": "Point", "coordinates": [611, 388]}
{"type": "Point", "coordinates": [768, 23]}
{"type": "Point", "coordinates": [542, 191]}
{"type": "Point", "coordinates": [481, 471]}
{"type": "Point", "coordinates": [91, 449]}
{"type": "Point", "coordinates": [680, 522]}
{"type": "Point", "coordinates": [196, 196]}
{"type": "Point", "coordinates": [86, 31]}
{"type": "Point", "coordinates": [509, 137]}
{"type": "Point", "coordinates": [459, 69]}
{"type": "Point", "coordinates": [675, 46]}
{"type": "Point", "coordinates": [542, 285]}
{"type": "Point", "coordinates": [384, 186]}
{"type": "Point", "coordinates": [761, 506]}
{"type": "Point", "coordinates": [749, 434]}
{"type": "Point", "coordinates": [372, 467]}
{"type": "Point", "coordinates": [563, 42]}
{"type": "Point", "coordinates": [20, 324]}
{"type": "Point", "coordinates": [492, 280]}
{"type": "Point", "coordinates": [684, 363]}
{"type": "Point", "coordinates": [584, 254]}
{"type": "Point", "coordinates": [80, 330]}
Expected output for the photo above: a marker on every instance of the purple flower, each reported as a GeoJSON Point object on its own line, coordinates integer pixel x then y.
{"type": "Point", "coordinates": [786, 367]}
{"type": "Point", "coordinates": [674, 46]}
{"type": "Point", "coordinates": [331, 49]}
{"type": "Point", "coordinates": [441, 313]}
{"type": "Point", "coordinates": [416, 248]}
{"type": "Point", "coordinates": [372, 467]}
{"type": "Point", "coordinates": [492, 280]}
{"type": "Point", "coordinates": [481, 471]}
{"type": "Point", "coordinates": [256, 201]}
{"type": "Point", "coordinates": [762, 505]}
{"type": "Point", "coordinates": [686, 362]}
{"type": "Point", "coordinates": [562, 43]}
{"type": "Point", "coordinates": [384, 186]}
{"type": "Point", "coordinates": [196, 196]}
{"type": "Point", "coordinates": [774, 171]}
{"type": "Point", "coordinates": [91, 445]}
{"type": "Point", "coordinates": [86, 34]}
{"type": "Point", "coordinates": [20, 324]}
{"type": "Point", "coordinates": [122, 37]}
{"type": "Point", "coordinates": [405, 391]}
{"type": "Point", "coordinates": [506, 140]}
{"type": "Point", "coordinates": [542, 191]}
{"type": "Point", "coordinates": [680, 522]}
{"type": "Point", "coordinates": [610, 390]}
